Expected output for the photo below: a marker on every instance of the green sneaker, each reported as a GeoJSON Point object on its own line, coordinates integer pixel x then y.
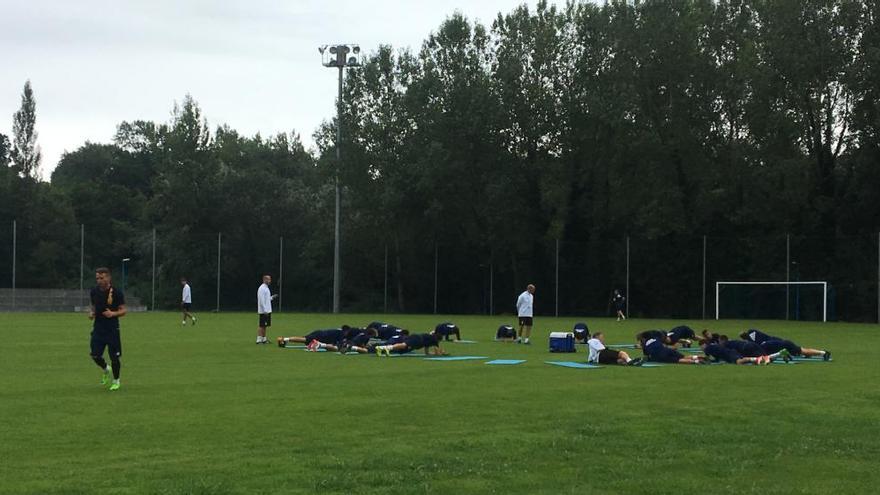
{"type": "Point", "coordinates": [114, 386]}
{"type": "Point", "coordinates": [105, 377]}
{"type": "Point", "coordinates": [786, 356]}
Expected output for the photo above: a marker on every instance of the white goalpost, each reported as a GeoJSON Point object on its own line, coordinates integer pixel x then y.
{"type": "Point", "coordinates": [823, 284]}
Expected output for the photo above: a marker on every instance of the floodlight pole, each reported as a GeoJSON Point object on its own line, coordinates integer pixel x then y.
{"type": "Point", "coordinates": [336, 261]}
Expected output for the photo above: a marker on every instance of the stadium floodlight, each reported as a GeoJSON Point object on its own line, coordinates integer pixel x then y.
{"type": "Point", "coordinates": [340, 56]}
{"type": "Point", "coordinates": [823, 285]}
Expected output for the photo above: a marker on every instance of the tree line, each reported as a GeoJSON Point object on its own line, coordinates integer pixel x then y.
{"type": "Point", "coordinates": [581, 124]}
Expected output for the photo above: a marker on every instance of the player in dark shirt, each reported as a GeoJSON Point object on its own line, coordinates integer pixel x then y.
{"type": "Point", "coordinates": [581, 332]}
{"type": "Point", "coordinates": [682, 334]}
{"type": "Point", "coordinates": [430, 342]}
{"type": "Point", "coordinates": [385, 331]}
{"type": "Point", "coordinates": [719, 352]}
{"type": "Point", "coordinates": [659, 335]}
{"type": "Point", "coordinates": [356, 339]}
{"type": "Point", "coordinates": [328, 338]}
{"type": "Point", "coordinates": [446, 329]}
{"type": "Point", "coordinates": [744, 348]}
{"type": "Point", "coordinates": [107, 306]}
{"type": "Point", "coordinates": [773, 345]}
{"type": "Point", "coordinates": [654, 350]}
{"type": "Point", "coordinates": [505, 333]}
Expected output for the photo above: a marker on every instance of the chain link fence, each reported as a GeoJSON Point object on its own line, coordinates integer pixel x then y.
{"type": "Point", "coordinates": [668, 277]}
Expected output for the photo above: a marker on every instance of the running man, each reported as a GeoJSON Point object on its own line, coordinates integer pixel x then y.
{"type": "Point", "coordinates": [106, 307]}
{"type": "Point", "coordinates": [525, 311]}
{"type": "Point", "coordinates": [186, 301]}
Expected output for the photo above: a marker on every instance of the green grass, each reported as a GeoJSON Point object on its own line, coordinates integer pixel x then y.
{"type": "Point", "coordinates": [203, 410]}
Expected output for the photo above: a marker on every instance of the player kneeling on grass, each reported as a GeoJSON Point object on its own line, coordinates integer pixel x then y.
{"type": "Point", "coordinates": [599, 354]}
{"type": "Point", "coordinates": [655, 351]}
{"type": "Point", "coordinates": [773, 344]}
{"type": "Point", "coordinates": [446, 329]}
{"type": "Point", "coordinates": [505, 333]}
{"type": "Point", "coordinates": [427, 341]}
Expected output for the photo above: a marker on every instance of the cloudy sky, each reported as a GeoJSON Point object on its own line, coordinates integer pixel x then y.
{"type": "Point", "coordinates": [252, 64]}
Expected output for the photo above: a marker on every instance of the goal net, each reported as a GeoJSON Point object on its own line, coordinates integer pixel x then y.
{"type": "Point", "coordinates": [772, 300]}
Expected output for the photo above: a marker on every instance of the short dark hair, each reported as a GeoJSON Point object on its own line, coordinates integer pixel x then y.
{"type": "Point", "coordinates": [102, 269]}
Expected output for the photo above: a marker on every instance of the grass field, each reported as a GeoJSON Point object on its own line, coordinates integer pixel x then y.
{"type": "Point", "coordinates": [203, 410]}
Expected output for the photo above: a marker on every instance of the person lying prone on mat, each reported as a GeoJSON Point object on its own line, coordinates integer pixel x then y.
{"type": "Point", "coordinates": [773, 344]}
{"type": "Point", "coordinates": [599, 354]}
{"type": "Point", "coordinates": [385, 331]}
{"type": "Point", "coordinates": [743, 348]}
{"type": "Point", "coordinates": [430, 342]}
{"type": "Point", "coordinates": [329, 339]}
{"type": "Point", "coordinates": [682, 335]}
{"type": "Point", "coordinates": [658, 335]}
{"type": "Point", "coordinates": [655, 351]}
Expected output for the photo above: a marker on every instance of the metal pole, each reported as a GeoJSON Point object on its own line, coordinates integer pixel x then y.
{"type": "Point", "coordinates": [557, 278]}
{"type": "Point", "coordinates": [336, 263]}
{"type": "Point", "coordinates": [491, 286]}
{"type": "Point", "coordinates": [628, 298]}
{"type": "Point", "coordinates": [787, 271]}
{"type": "Point", "coordinates": [436, 249]}
{"type": "Point", "coordinates": [878, 277]}
{"type": "Point", "coordinates": [385, 294]}
{"type": "Point", "coordinates": [704, 277]}
{"type": "Point", "coordinates": [82, 256]}
{"type": "Point", "coordinates": [217, 309]}
{"type": "Point", "coordinates": [14, 241]}
{"type": "Point", "coordinates": [280, 269]}
{"type": "Point", "coordinates": [153, 291]}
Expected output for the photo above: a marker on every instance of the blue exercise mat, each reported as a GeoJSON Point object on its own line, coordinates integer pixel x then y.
{"type": "Point", "coordinates": [407, 354]}
{"type": "Point", "coordinates": [572, 364]}
{"type": "Point", "coordinates": [455, 358]}
{"type": "Point", "coordinates": [295, 346]}
{"type": "Point", "coordinates": [809, 360]}
{"type": "Point", "coordinates": [506, 361]}
{"type": "Point", "coordinates": [460, 341]}
{"type": "Point", "coordinates": [653, 365]}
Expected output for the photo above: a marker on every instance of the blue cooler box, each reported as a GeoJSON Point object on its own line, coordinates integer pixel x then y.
{"type": "Point", "coordinates": [561, 342]}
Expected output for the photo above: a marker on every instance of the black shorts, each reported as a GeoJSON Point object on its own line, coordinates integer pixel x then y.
{"type": "Point", "coordinates": [106, 339]}
{"type": "Point", "coordinates": [608, 356]}
{"type": "Point", "coordinates": [666, 355]}
{"type": "Point", "coordinates": [525, 321]}
{"type": "Point", "coordinates": [187, 306]}
{"type": "Point", "coordinates": [265, 320]}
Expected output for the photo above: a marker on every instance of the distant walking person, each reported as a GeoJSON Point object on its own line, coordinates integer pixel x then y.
{"type": "Point", "coordinates": [264, 308]}
{"type": "Point", "coordinates": [619, 301]}
{"type": "Point", "coordinates": [525, 310]}
{"type": "Point", "coordinates": [107, 306]}
{"type": "Point", "coordinates": [186, 302]}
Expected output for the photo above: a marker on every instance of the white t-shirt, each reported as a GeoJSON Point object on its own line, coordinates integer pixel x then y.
{"type": "Point", "coordinates": [595, 346]}
{"type": "Point", "coordinates": [524, 304]}
{"type": "Point", "coordinates": [187, 294]}
{"type": "Point", "coordinates": [264, 300]}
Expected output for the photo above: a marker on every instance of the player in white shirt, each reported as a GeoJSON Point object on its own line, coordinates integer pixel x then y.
{"type": "Point", "coordinates": [186, 301]}
{"type": "Point", "coordinates": [525, 311]}
{"type": "Point", "coordinates": [264, 309]}
{"type": "Point", "coordinates": [599, 354]}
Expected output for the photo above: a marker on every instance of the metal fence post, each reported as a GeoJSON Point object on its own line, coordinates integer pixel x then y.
{"type": "Point", "coordinates": [557, 278]}
{"type": "Point", "coordinates": [628, 295]}
{"type": "Point", "coordinates": [14, 241]}
{"type": "Point", "coordinates": [878, 277]}
{"type": "Point", "coordinates": [436, 253]}
{"type": "Point", "coordinates": [82, 257]}
{"type": "Point", "coordinates": [218, 272]}
{"type": "Point", "coordinates": [787, 272]}
{"type": "Point", "coordinates": [385, 287]}
{"type": "Point", "coordinates": [280, 269]}
{"type": "Point", "coordinates": [704, 277]}
{"type": "Point", "coordinates": [491, 286]}
{"type": "Point", "coordinates": [153, 290]}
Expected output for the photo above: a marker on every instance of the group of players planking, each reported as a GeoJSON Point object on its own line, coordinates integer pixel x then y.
{"type": "Point", "coordinates": [752, 347]}
{"type": "Point", "coordinates": [378, 337]}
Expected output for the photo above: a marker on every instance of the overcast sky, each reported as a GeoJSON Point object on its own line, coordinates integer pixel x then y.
{"type": "Point", "coordinates": [252, 64]}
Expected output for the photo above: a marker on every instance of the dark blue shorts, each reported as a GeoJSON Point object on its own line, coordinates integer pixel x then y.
{"type": "Point", "coordinates": [776, 345]}
{"type": "Point", "coordinates": [106, 339]}
{"type": "Point", "coordinates": [665, 355]}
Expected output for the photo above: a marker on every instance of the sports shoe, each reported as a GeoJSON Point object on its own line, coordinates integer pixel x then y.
{"type": "Point", "coordinates": [281, 342]}
{"type": "Point", "coordinates": [635, 362]}
{"type": "Point", "coordinates": [526, 342]}
{"type": "Point", "coordinates": [194, 320]}
{"type": "Point", "coordinates": [183, 322]}
{"type": "Point", "coordinates": [827, 356]}
{"type": "Point", "coordinates": [105, 377]}
{"type": "Point", "coordinates": [786, 356]}
{"type": "Point", "coordinates": [313, 345]}
{"type": "Point", "coordinates": [343, 348]}
{"type": "Point", "coordinates": [114, 386]}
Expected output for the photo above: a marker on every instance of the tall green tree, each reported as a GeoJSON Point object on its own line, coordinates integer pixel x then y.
{"type": "Point", "coordinates": [26, 154]}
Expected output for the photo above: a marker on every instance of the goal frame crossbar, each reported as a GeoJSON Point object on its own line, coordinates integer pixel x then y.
{"type": "Point", "coordinates": [824, 285]}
